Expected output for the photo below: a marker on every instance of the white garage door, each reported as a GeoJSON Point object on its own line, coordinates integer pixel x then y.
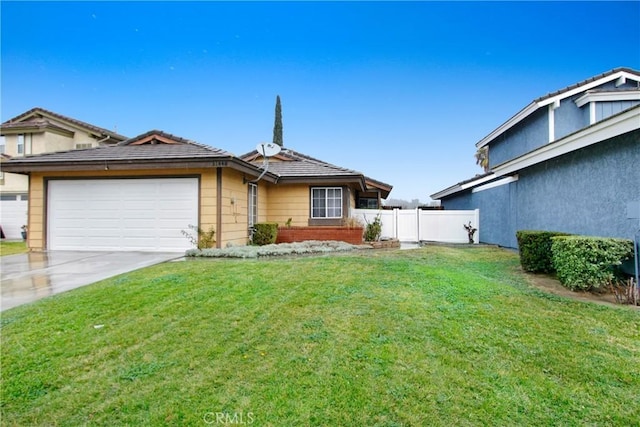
{"type": "Point", "coordinates": [121, 214]}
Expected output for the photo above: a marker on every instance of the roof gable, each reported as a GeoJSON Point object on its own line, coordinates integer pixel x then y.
{"type": "Point", "coordinates": [38, 119]}
{"type": "Point", "coordinates": [618, 75]}
{"type": "Point", "coordinates": [292, 165]}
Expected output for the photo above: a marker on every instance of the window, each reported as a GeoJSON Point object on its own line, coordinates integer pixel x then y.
{"type": "Point", "coordinates": [326, 202]}
{"type": "Point", "coordinates": [2, 146]}
{"type": "Point", "coordinates": [368, 203]}
{"type": "Point", "coordinates": [253, 204]}
{"type": "Point", "coordinates": [20, 144]}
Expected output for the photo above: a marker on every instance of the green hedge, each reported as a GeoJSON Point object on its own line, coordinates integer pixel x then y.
{"type": "Point", "coordinates": [264, 233]}
{"type": "Point", "coordinates": [587, 263]}
{"type": "Point", "coordinates": [535, 250]}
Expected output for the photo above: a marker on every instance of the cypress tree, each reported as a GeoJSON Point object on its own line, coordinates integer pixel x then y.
{"type": "Point", "coordinates": [277, 127]}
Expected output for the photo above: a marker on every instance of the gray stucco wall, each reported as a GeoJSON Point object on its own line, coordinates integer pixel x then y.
{"type": "Point", "coordinates": [522, 138]}
{"type": "Point", "coordinates": [569, 118]}
{"type": "Point", "coordinates": [583, 192]}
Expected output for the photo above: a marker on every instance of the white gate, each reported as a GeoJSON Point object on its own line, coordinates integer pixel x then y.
{"type": "Point", "coordinates": [418, 225]}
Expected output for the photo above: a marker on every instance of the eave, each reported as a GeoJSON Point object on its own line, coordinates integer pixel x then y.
{"type": "Point", "coordinates": [27, 167]}
{"type": "Point", "coordinates": [619, 124]}
{"type": "Point", "coordinates": [620, 76]}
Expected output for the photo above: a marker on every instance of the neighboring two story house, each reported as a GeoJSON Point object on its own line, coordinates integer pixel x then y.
{"type": "Point", "coordinates": [39, 131]}
{"type": "Point", "coordinates": [569, 161]}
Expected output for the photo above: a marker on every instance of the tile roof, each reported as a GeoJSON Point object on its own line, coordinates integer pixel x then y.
{"type": "Point", "coordinates": [293, 164]}
{"type": "Point", "coordinates": [38, 113]}
{"type": "Point", "coordinates": [126, 151]}
{"type": "Point", "coordinates": [587, 81]}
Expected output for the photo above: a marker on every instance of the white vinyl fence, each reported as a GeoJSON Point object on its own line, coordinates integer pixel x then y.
{"type": "Point", "coordinates": [418, 225]}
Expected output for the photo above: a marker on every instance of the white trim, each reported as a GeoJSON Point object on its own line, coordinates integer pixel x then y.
{"type": "Point", "coordinates": [477, 181]}
{"type": "Point", "coordinates": [592, 113]}
{"type": "Point", "coordinates": [508, 124]}
{"type": "Point", "coordinates": [552, 122]}
{"type": "Point", "coordinates": [587, 86]}
{"type": "Point", "coordinates": [624, 122]}
{"type": "Point", "coordinates": [631, 95]}
{"type": "Point", "coordinates": [531, 108]}
{"type": "Point", "coordinates": [498, 183]}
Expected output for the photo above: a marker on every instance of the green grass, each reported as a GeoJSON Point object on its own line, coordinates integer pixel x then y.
{"type": "Point", "coordinates": [12, 248]}
{"type": "Point", "coordinates": [437, 336]}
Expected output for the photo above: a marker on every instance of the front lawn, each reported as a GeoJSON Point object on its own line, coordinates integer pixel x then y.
{"type": "Point", "coordinates": [434, 336]}
{"type": "Point", "coordinates": [12, 248]}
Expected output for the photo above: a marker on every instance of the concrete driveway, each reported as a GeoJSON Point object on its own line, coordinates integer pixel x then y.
{"type": "Point", "coordinates": [32, 276]}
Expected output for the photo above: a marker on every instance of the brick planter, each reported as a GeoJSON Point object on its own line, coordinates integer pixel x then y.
{"type": "Point", "coordinates": [351, 235]}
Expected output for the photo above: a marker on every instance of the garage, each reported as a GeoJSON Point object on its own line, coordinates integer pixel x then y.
{"type": "Point", "coordinates": [146, 214]}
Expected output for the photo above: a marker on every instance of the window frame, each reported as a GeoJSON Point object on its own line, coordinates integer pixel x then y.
{"type": "Point", "coordinates": [20, 146]}
{"type": "Point", "coordinates": [252, 205]}
{"type": "Point", "coordinates": [327, 207]}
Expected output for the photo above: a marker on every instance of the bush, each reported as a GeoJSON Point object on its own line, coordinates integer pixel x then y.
{"type": "Point", "coordinates": [199, 238]}
{"type": "Point", "coordinates": [588, 263]}
{"type": "Point", "coordinates": [264, 233]}
{"type": "Point", "coordinates": [373, 231]}
{"type": "Point", "coordinates": [535, 250]}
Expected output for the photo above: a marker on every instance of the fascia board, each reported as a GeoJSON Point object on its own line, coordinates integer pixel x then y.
{"type": "Point", "coordinates": [461, 187]}
{"type": "Point", "coordinates": [616, 125]}
{"type": "Point", "coordinates": [587, 86]}
{"type": "Point", "coordinates": [608, 96]}
{"type": "Point", "coordinates": [477, 181]}
{"type": "Point", "coordinates": [526, 111]}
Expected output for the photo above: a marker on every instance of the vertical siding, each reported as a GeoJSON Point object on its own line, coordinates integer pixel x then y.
{"type": "Point", "coordinates": [608, 109]}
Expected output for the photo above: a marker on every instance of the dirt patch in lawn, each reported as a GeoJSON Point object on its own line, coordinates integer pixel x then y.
{"type": "Point", "coordinates": [549, 283]}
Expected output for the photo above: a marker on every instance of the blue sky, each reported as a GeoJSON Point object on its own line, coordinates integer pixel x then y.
{"type": "Point", "coordinates": [400, 91]}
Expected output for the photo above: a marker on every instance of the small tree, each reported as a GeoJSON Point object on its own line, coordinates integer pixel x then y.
{"type": "Point", "coordinates": [482, 158]}
{"type": "Point", "coordinates": [277, 126]}
{"type": "Point", "coordinates": [471, 230]}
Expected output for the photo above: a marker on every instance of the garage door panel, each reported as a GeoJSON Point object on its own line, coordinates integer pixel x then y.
{"type": "Point", "coordinates": [122, 214]}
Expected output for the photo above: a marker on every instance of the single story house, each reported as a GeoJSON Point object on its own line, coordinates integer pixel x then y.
{"type": "Point", "coordinates": [569, 161]}
{"type": "Point", "coordinates": [142, 193]}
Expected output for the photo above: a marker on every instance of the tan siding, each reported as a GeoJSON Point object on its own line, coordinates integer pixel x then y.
{"type": "Point", "coordinates": [234, 209]}
{"type": "Point", "coordinates": [263, 198]}
{"type": "Point", "coordinates": [35, 236]}
{"type": "Point", "coordinates": [288, 201]}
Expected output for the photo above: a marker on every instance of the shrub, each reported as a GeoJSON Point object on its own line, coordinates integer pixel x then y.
{"type": "Point", "coordinates": [373, 230]}
{"type": "Point", "coordinates": [264, 233]}
{"type": "Point", "coordinates": [587, 263]}
{"type": "Point", "coordinates": [199, 238]}
{"type": "Point", "coordinates": [535, 250]}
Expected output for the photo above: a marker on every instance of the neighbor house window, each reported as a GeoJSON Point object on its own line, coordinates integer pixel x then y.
{"type": "Point", "coordinates": [20, 144]}
{"type": "Point", "coordinates": [326, 202]}
{"type": "Point", "coordinates": [253, 204]}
